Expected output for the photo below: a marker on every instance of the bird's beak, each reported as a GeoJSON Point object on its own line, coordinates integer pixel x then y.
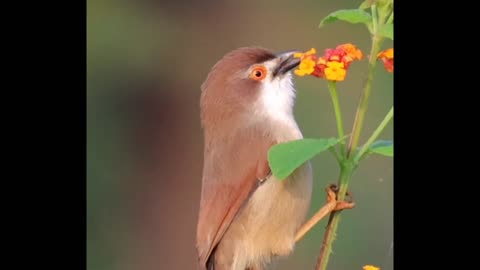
{"type": "Point", "coordinates": [287, 62]}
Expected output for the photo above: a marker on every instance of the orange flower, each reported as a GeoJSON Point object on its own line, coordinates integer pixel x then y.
{"type": "Point", "coordinates": [370, 267]}
{"type": "Point", "coordinates": [351, 53]}
{"type": "Point", "coordinates": [332, 65]}
{"type": "Point", "coordinates": [387, 57]}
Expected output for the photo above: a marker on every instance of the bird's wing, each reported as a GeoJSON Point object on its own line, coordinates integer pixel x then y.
{"type": "Point", "coordinates": [230, 176]}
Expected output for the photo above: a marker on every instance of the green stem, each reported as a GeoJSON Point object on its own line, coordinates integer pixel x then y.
{"type": "Point", "coordinates": [348, 165]}
{"type": "Point", "coordinates": [335, 154]}
{"type": "Point", "coordinates": [338, 115]}
{"type": "Point", "coordinates": [375, 134]}
{"type": "Point", "coordinates": [374, 18]}
{"type": "Point", "coordinates": [363, 105]}
{"type": "Point", "coordinates": [346, 172]}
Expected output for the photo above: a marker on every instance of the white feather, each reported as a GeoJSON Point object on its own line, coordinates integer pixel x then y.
{"type": "Point", "coordinates": [277, 98]}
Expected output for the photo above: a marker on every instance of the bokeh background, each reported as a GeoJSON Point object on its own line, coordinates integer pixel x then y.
{"type": "Point", "coordinates": [146, 61]}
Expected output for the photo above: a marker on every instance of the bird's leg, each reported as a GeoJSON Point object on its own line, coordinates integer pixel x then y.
{"type": "Point", "coordinates": [345, 204]}
{"type": "Point", "coordinates": [331, 205]}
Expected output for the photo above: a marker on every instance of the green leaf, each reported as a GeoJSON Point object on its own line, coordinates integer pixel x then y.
{"type": "Point", "coordinates": [387, 31]}
{"type": "Point", "coordinates": [382, 147]}
{"type": "Point", "coordinates": [285, 158]}
{"type": "Point", "coordinates": [349, 15]}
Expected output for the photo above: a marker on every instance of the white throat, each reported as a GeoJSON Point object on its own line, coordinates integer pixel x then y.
{"type": "Point", "coordinates": [277, 100]}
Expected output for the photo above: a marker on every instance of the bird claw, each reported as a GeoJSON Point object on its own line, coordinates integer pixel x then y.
{"type": "Point", "coordinates": [332, 191]}
{"type": "Point", "coordinates": [331, 206]}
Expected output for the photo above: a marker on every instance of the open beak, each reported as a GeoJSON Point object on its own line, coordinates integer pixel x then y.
{"type": "Point", "coordinates": [287, 63]}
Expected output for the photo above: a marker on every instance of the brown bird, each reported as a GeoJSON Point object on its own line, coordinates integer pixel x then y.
{"type": "Point", "coordinates": [247, 217]}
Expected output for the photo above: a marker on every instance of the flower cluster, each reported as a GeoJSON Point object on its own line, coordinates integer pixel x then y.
{"type": "Point", "coordinates": [370, 267]}
{"type": "Point", "coordinates": [333, 65]}
{"type": "Point", "coordinates": [387, 57]}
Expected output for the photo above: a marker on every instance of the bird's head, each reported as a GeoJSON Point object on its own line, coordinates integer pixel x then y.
{"type": "Point", "coordinates": [249, 84]}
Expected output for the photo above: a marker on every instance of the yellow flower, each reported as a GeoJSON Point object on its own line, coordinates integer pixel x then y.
{"type": "Point", "coordinates": [335, 71]}
{"type": "Point", "coordinates": [306, 67]}
{"type": "Point", "coordinates": [310, 52]}
{"type": "Point", "coordinates": [307, 62]}
{"type": "Point", "coordinates": [370, 267]}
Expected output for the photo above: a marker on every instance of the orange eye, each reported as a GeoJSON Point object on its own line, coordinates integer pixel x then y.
{"type": "Point", "coordinates": [258, 73]}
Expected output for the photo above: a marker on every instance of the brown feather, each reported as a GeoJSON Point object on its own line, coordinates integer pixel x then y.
{"type": "Point", "coordinates": [231, 170]}
{"type": "Point", "coordinates": [226, 189]}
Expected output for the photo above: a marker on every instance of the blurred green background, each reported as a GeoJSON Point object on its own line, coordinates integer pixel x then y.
{"type": "Point", "coordinates": [146, 61]}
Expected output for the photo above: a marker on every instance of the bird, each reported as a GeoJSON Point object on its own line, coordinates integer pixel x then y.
{"type": "Point", "coordinates": [247, 217]}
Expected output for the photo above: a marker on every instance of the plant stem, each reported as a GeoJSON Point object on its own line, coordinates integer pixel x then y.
{"type": "Point", "coordinates": [347, 169]}
{"type": "Point", "coordinates": [348, 165]}
{"type": "Point", "coordinates": [374, 18]}
{"type": "Point", "coordinates": [375, 134]}
{"type": "Point", "coordinates": [335, 154]}
{"type": "Point", "coordinates": [363, 105]}
{"type": "Point", "coordinates": [338, 115]}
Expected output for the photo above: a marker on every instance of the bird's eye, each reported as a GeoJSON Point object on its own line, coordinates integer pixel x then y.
{"type": "Point", "coordinates": [258, 73]}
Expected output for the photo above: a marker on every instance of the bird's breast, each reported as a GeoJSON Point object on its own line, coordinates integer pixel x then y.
{"type": "Point", "coordinates": [278, 209]}
{"type": "Point", "coordinates": [267, 224]}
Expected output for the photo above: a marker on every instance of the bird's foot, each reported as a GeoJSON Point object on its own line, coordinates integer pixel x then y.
{"type": "Point", "coordinates": [332, 192]}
